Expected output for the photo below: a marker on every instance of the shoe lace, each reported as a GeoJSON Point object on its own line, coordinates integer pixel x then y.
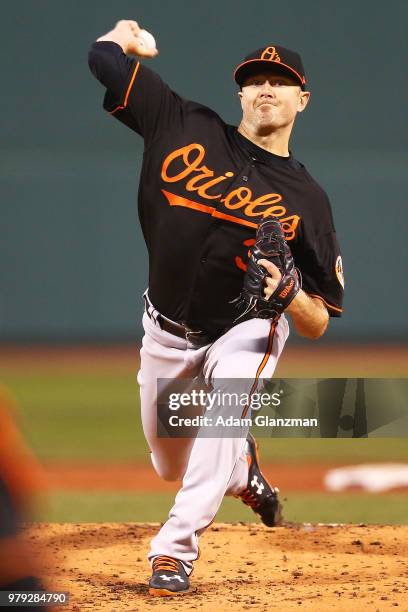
{"type": "Point", "coordinates": [166, 564]}
{"type": "Point", "coordinates": [249, 499]}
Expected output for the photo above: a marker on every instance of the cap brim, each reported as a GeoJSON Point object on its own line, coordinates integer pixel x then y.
{"type": "Point", "coordinates": [246, 69]}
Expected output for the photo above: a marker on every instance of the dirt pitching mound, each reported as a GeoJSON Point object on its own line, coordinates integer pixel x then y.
{"type": "Point", "coordinates": [242, 567]}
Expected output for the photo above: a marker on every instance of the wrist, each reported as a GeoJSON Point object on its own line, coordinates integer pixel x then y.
{"type": "Point", "coordinates": [297, 302]}
{"type": "Point", "coordinates": [115, 37]}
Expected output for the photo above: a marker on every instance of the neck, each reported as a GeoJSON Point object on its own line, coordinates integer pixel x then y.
{"type": "Point", "coordinates": [276, 142]}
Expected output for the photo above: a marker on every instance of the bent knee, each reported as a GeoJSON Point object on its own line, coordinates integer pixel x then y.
{"type": "Point", "coordinates": [168, 471]}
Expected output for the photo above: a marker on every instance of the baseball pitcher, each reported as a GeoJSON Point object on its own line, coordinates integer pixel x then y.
{"type": "Point", "coordinates": [239, 235]}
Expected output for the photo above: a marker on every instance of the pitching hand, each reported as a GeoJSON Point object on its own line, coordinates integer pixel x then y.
{"type": "Point", "coordinates": [126, 34]}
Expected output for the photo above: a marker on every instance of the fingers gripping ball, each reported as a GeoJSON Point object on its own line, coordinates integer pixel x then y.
{"type": "Point", "coordinates": [270, 244]}
{"type": "Point", "coordinates": [146, 40]}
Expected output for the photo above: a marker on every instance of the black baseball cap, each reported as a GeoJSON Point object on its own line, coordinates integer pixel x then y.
{"type": "Point", "coordinates": [283, 60]}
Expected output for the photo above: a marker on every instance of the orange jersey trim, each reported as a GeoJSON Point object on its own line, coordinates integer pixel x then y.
{"type": "Point", "coordinates": [313, 295]}
{"type": "Point", "coordinates": [262, 364]}
{"type": "Point", "coordinates": [125, 102]}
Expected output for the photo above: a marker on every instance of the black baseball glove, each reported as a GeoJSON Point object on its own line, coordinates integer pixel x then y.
{"type": "Point", "coordinates": [270, 244]}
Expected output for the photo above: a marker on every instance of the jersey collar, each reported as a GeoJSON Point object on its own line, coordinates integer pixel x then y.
{"type": "Point", "coordinates": [260, 154]}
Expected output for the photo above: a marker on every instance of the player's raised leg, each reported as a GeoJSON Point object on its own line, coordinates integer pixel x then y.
{"type": "Point", "coordinates": [164, 356]}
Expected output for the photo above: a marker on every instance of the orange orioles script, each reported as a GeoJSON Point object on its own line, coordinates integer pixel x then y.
{"type": "Point", "coordinates": [197, 177]}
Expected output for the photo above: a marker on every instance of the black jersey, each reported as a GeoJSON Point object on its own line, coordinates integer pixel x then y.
{"type": "Point", "coordinates": [203, 190]}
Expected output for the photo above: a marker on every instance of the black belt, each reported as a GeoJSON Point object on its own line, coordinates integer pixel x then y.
{"type": "Point", "coordinates": [196, 337]}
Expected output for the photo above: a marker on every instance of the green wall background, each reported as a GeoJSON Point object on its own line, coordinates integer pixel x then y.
{"type": "Point", "coordinates": [73, 262]}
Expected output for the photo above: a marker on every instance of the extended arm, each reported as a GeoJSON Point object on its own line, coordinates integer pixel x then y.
{"type": "Point", "coordinates": [135, 95]}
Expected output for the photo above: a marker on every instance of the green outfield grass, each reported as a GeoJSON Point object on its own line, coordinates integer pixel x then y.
{"type": "Point", "coordinates": [77, 506]}
{"type": "Point", "coordinates": [95, 416]}
{"type": "Point", "coordinates": [89, 416]}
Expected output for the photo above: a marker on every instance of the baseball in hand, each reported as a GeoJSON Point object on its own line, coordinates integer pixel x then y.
{"type": "Point", "coordinates": [146, 40]}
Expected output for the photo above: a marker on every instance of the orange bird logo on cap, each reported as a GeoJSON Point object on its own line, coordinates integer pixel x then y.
{"type": "Point", "coordinates": [270, 54]}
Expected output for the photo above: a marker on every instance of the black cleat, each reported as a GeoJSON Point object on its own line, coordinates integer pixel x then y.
{"type": "Point", "coordinates": [168, 578]}
{"type": "Point", "coordinates": [259, 495]}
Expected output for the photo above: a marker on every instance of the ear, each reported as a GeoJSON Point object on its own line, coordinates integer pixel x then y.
{"type": "Point", "coordinates": [240, 94]}
{"type": "Point", "coordinates": [303, 100]}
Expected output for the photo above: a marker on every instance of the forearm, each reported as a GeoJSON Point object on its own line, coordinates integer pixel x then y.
{"type": "Point", "coordinates": [118, 36]}
{"type": "Point", "coordinates": [309, 316]}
